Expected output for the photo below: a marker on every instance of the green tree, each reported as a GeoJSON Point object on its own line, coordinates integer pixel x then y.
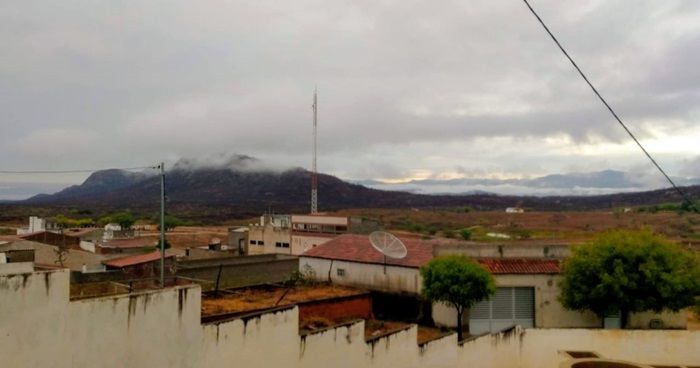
{"type": "Point", "coordinates": [170, 222]}
{"type": "Point", "coordinates": [629, 271]}
{"type": "Point", "coordinates": [456, 281]}
{"type": "Point", "coordinates": [125, 219]}
{"type": "Point", "coordinates": [466, 234]}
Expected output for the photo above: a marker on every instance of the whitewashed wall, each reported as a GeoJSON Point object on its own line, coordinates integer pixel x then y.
{"type": "Point", "coordinates": [40, 327]}
{"type": "Point", "coordinates": [363, 275]}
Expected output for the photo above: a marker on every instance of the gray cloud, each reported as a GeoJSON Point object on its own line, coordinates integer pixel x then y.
{"type": "Point", "coordinates": [407, 88]}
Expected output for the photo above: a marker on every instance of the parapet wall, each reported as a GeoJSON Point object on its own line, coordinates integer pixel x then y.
{"type": "Point", "coordinates": [40, 327]}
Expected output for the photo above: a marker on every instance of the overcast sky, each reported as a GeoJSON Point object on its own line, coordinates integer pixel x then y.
{"type": "Point", "coordinates": [407, 89]}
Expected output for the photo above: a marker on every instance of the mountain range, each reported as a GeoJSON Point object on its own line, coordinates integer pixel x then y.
{"type": "Point", "coordinates": [243, 191]}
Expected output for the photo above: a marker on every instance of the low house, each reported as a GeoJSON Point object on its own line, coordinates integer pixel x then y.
{"type": "Point", "coordinates": [528, 287]}
{"type": "Point", "coordinates": [130, 245]}
{"type": "Point", "coordinates": [144, 265]}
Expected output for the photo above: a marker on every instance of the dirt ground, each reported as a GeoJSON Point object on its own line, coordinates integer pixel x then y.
{"type": "Point", "coordinates": [693, 321]}
{"type": "Point", "coordinates": [537, 225]}
{"type": "Point", "coordinates": [254, 299]}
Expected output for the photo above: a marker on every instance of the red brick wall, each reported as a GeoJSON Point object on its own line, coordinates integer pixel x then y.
{"type": "Point", "coordinates": [356, 306]}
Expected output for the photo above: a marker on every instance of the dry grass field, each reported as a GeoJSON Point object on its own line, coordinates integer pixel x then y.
{"type": "Point", "coordinates": [569, 226]}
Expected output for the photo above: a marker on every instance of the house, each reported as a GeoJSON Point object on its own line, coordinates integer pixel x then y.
{"type": "Point", "coordinates": [36, 224]}
{"type": "Point", "coordinates": [293, 234]}
{"type": "Point", "coordinates": [309, 231]}
{"type": "Point", "coordinates": [238, 239]}
{"type": "Point", "coordinates": [142, 265]}
{"type": "Point", "coordinates": [128, 245]}
{"type": "Point", "coordinates": [527, 287]}
{"type": "Point", "coordinates": [271, 235]}
{"type": "Point", "coordinates": [515, 210]}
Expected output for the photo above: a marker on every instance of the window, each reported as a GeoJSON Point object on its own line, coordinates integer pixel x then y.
{"type": "Point", "coordinates": [285, 245]}
{"type": "Point", "coordinates": [278, 244]}
{"type": "Point", "coordinates": [253, 242]}
{"type": "Point", "coordinates": [340, 271]}
{"type": "Point", "coordinates": [260, 242]}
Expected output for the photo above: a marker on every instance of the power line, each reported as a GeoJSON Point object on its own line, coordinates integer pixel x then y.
{"type": "Point", "coordinates": [678, 189]}
{"type": "Point", "coordinates": [73, 171]}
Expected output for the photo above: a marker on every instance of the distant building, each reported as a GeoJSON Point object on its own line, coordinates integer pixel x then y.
{"type": "Point", "coordinates": [309, 231]}
{"type": "Point", "coordinates": [36, 224]}
{"type": "Point", "coordinates": [142, 265]}
{"type": "Point", "coordinates": [271, 235]}
{"type": "Point", "coordinates": [514, 210]}
{"type": "Point", "coordinates": [238, 239]}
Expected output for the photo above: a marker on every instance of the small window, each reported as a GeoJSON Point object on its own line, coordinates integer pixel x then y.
{"type": "Point", "coordinates": [285, 245]}
{"type": "Point", "coordinates": [260, 242]}
{"type": "Point", "coordinates": [253, 242]}
{"type": "Point", "coordinates": [278, 244]}
{"type": "Point", "coordinates": [340, 271]}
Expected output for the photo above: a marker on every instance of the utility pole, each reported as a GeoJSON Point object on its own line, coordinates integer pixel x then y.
{"type": "Point", "coordinates": [314, 175]}
{"type": "Point", "coordinates": [162, 224]}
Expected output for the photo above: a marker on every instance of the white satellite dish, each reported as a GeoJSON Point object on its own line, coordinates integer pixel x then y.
{"type": "Point", "coordinates": [389, 245]}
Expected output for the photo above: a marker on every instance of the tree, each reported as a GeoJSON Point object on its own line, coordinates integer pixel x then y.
{"type": "Point", "coordinates": [466, 234]}
{"type": "Point", "coordinates": [125, 219]}
{"type": "Point", "coordinates": [456, 281]}
{"type": "Point", "coordinates": [629, 271]}
{"type": "Point", "coordinates": [170, 222]}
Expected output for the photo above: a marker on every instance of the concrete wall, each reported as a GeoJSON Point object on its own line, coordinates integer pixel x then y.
{"type": "Point", "coordinates": [535, 348]}
{"type": "Point", "coordinates": [302, 243]}
{"type": "Point", "coordinates": [240, 271]}
{"type": "Point", "coordinates": [506, 250]}
{"type": "Point", "coordinates": [370, 276]}
{"type": "Point", "coordinates": [40, 327]}
{"type": "Point", "coordinates": [270, 235]}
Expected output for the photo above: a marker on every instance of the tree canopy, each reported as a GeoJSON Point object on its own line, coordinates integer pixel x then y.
{"type": "Point", "coordinates": [458, 282]}
{"type": "Point", "coordinates": [125, 219]}
{"type": "Point", "coordinates": [629, 271]}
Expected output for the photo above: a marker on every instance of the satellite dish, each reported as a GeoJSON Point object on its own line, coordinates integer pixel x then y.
{"type": "Point", "coordinates": [389, 245]}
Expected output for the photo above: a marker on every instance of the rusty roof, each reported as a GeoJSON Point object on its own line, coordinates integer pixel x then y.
{"type": "Point", "coordinates": [357, 248]}
{"type": "Point", "coordinates": [137, 259]}
{"type": "Point", "coordinates": [521, 265]}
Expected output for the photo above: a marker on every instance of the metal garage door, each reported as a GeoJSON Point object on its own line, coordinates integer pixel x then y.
{"type": "Point", "coordinates": [507, 307]}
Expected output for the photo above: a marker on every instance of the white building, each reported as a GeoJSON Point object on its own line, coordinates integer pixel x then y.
{"type": "Point", "coordinates": [527, 288]}
{"type": "Point", "coordinates": [36, 224]}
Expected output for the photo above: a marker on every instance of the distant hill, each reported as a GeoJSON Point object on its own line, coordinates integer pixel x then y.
{"type": "Point", "coordinates": [224, 192]}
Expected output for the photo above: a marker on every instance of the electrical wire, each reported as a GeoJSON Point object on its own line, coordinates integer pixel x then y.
{"type": "Point", "coordinates": [614, 114]}
{"type": "Point", "coordinates": [74, 171]}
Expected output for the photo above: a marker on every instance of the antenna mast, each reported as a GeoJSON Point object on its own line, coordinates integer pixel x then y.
{"type": "Point", "coordinates": [314, 175]}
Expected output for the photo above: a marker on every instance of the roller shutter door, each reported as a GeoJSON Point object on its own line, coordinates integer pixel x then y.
{"type": "Point", "coordinates": [507, 307]}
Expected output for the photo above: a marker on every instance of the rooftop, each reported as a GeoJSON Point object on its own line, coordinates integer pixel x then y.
{"type": "Point", "coordinates": [521, 266]}
{"type": "Point", "coordinates": [357, 248]}
{"type": "Point", "coordinates": [252, 299]}
{"type": "Point", "coordinates": [141, 242]}
{"type": "Point", "coordinates": [137, 259]}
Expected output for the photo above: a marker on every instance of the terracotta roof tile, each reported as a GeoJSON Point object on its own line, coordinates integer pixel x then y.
{"type": "Point", "coordinates": [134, 260]}
{"type": "Point", "coordinates": [521, 266]}
{"type": "Point", "coordinates": [357, 248]}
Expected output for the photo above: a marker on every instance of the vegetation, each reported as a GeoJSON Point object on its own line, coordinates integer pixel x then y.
{"type": "Point", "coordinates": [630, 271]}
{"type": "Point", "coordinates": [125, 219]}
{"type": "Point", "coordinates": [170, 222]}
{"type": "Point", "coordinates": [466, 234]}
{"type": "Point", "coordinates": [458, 282]}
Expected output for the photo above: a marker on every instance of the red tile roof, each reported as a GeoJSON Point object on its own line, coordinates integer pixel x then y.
{"type": "Point", "coordinates": [521, 266]}
{"type": "Point", "coordinates": [134, 260]}
{"type": "Point", "coordinates": [129, 243]}
{"type": "Point", "coordinates": [357, 248]}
